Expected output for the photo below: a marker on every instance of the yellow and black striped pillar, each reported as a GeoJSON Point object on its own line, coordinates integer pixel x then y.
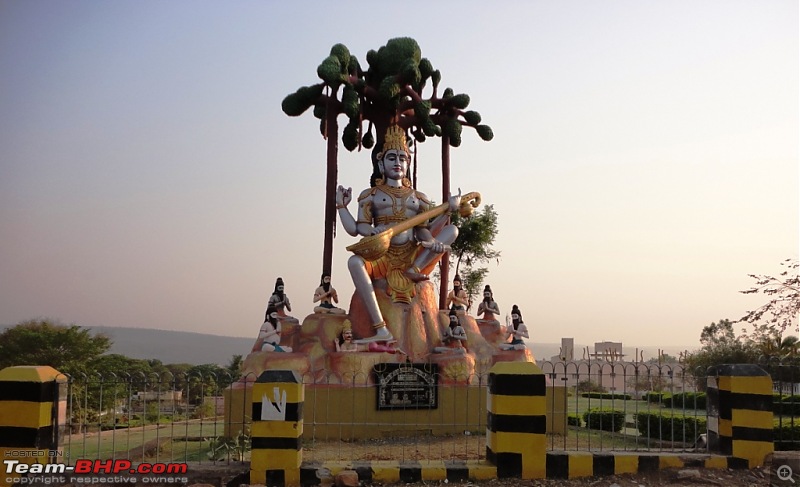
{"type": "Point", "coordinates": [277, 429]}
{"type": "Point", "coordinates": [32, 414]}
{"type": "Point", "coordinates": [739, 404]}
{"type": "Point", "coordinates": [516, 431]}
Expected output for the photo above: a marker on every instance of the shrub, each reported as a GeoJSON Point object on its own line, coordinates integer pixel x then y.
{"type": "Point", "coordinates": [670, 426]}
{"type": "Point", "coordinates": [574, 420]}
{"type": "Point", "coordinates": [686, 400]}
{"type": "Point", "coordinates": [604, 419]}
{"type": "Point", "coordinates": [786, 435]}
{"type": "Point", "coordinates": [786, 405]}
{"type": "Point", "coordinates": [655, 397]}
{"type": "Point", "coordinates": [606, 395]}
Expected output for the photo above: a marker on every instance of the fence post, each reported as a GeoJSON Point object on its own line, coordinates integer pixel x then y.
{"type": "Point", "coordinates": [739, 405]}
{"type": "Point", "coordinates": [32, 415]}
{"type": "Point", "coordinates": [277, 428]}
{"type": "Point", "coordinates": [516, 428]}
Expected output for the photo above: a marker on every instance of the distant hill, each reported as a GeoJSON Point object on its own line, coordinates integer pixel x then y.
{"type": "Point", "coordinates": [198, 348]}
{"type": "Point", "coordinates": [173, 347]}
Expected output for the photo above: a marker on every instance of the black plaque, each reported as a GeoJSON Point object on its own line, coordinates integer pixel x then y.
{"type": "Point", "coordinates": [407, 386]}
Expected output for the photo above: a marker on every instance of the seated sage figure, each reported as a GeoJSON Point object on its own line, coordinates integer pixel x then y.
{"type": "Point", "coordinates": [516, 331]}
{"type": "Point", "coordinates": [280, 301]}
{"type": "Point", "coordinates": [488, 308]}
{"type": "Point", "coordinates": [387, 204]}
{"type": "Point", "coordinates": [454, 337]}
{"type": "Point", "coordinates": [457, 298]}
{"type": "Point", "coordinates": [324, 294]}
{"type": "Point", "coordinates": [269, 336]}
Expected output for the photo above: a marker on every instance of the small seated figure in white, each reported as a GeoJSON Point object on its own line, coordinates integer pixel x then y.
{"type": "Point", "coordinates": [324, 294]}
{"type": "Point", "coordinates": [280, 301]}
{"type": "Point", "coordinates": [269, 336]}
{"type": "Point", "coordinates": [454, 338]}
{"type": "Point", "coordinates": [457, 298]}
{"type": "Point", "coordinates": [488, 307]}
{"type": "Point", "coordinates": [516, 331]}
{"type": "Point", "coordinates": [346, 343]}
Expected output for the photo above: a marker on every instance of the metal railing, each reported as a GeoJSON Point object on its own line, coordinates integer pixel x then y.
{"type": "Point", "coordinates": [601, 405]}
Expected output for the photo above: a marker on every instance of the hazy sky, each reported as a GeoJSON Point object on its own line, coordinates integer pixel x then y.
{"type": "Point", "coordinates": [645, 157]}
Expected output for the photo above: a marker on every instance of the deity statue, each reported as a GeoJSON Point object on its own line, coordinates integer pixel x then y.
{"type": "Point", "coordinates": [488, 307]}
{"type": "Point", "coordinates": [454, 337]}
{"type": "Point", "coordinates": [387, 211]}
{"type": "Point", "coordinates": [346, 343]}
{"type": "Point", "coordinates": [324, 294]}
{"type": "Point", "coordinates": [269, 336]}
{"type": "Point", "coordinates": [281, 301]}
{"type": "Point", "coordinates": [516, 331]}
{"type": "Point", "coordinates": [457, 298]}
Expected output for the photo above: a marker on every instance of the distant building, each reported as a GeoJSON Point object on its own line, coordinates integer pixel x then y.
{"type": "Point", "coordinates": [606, 366]}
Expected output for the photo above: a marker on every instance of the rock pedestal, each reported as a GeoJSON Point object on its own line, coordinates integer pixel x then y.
{"type": "Point", "coordinates": [418, 328]}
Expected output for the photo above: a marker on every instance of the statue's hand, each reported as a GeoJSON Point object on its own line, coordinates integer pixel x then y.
{"type": "Point", "coordinates": [436, 246]}
{"type": "Point", "coordinates": [379, 229]}
{"type": "Point", "coordinates": [455, 201]}
{"type": "Point", "coordinates": [343, 196]}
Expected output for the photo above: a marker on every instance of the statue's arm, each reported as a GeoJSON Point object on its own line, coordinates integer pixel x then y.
{"type": "Point", "coordinates": [343, 198]}
{"type": "Point", "coordinates": [522, 331]}
{"type": "Point", "coordinates": [334, 295]}
{"type": "Point", "coordinates": [318, 294]}
{"type": "Point", "coordinates": [286, 303]}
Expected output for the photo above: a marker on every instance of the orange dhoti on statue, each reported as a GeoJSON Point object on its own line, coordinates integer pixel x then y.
{"type": "Point", "coordinates": [392, 266]}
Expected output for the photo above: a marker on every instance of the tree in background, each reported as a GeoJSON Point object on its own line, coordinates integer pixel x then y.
{"type": "Point", "coordinates": [771, 320]}
{"type": "Point", "coordinates": [389, 92]}
{"type": "Point", "coordinates": [69, 349]}
{"type": "Point", "coordinates": [719, 345]}
{"type": "Point", "coordinates": [473, 247]}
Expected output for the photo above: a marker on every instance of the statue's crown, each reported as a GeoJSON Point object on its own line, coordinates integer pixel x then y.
{"type": "Point", "coordinates": [347, 326]}
{"type": "Point", "coordinates": [395, 139]}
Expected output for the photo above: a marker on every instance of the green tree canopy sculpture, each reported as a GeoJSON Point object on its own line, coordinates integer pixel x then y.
{"type": "Point", "coordinates": [390, 91]}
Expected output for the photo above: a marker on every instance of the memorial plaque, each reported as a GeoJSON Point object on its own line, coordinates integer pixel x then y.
{"type": "Point", "coordinates": [407, 386]}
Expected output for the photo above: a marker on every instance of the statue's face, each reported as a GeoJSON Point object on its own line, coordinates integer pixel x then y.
{"type": "Point", "coordinates": [326, 280]}
{"type": "Point", "coordinates": [453, 320]}
{"type": "Point", "coordinates": [280, 288]}
{"type": "Point", "coordinates": [394, 164]}
{"type": "Point", "coordinates": [347, 335]}
{"type": "Point", "coordinates": [515, 317]}
{"type": "Point", "coordinates": [487, 294]}
{"type": "Point", "coordinates": [456, 283]}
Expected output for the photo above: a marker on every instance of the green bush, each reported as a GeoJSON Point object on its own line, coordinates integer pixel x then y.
{"type": "Point", "coordinates": [607, 395]}
{"type": "Point", "coordinates": [655, 397]}
{"type": "Point", "coordinates": [670, 426]}
{"type": "Point", "coordinates": [786, 435]}
{"type": "Point", "coordinates": [786, 405]}
{"type": "Point", "coordinates": [686, 400]}
{"type": "Point", "coordinates": [574, 420]}
{"type": "Point", "coordinates": [604, 419]}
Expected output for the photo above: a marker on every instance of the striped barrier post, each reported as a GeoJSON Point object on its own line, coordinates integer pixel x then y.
{"type": "Point", "coordinates": [739, 404]}
{"type": "Point", "coordinates": [32, 415]}
{"type": "Point", "coordinates": [277, 429]}
{"type": "Point", "coordinates": [516, 431]}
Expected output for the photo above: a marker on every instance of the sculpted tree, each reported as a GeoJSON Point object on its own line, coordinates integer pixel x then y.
{"type": "Point", "coordinates": [390, 91]}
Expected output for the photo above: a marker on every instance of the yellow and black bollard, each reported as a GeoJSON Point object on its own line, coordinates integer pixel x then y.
{"type": "Point", "coordinates": [32, 416]}
{"type": "Point", "coordinates": [739, 402]}
{"type": "Point", "coordinates": [516, 432]}
{"type": "Point", "coordinates": [277, 429]}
